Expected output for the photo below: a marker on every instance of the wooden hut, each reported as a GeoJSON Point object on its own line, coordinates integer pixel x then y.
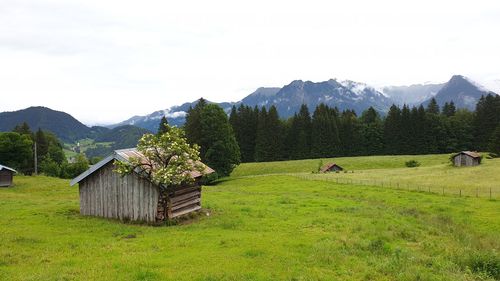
{"type": "Point", "coordinates": [6, 176]}
{"type": "Point", "coordinates": [466, 158]}
{"type": "Point", "coordinates": [331, 167]}
{"type": "Point", "coordinates": [105, 193]}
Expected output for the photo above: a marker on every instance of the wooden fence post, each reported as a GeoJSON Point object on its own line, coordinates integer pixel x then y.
{"type": "Point", "coordinates": [490, 193]}
{"type": "Point", "coordinates": [460, 193]}
{"type": "Point", "coordinates": [477, 192]}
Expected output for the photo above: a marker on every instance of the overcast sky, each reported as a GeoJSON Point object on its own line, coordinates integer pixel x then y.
{"type": "Point", "coordinates": [104, 61]}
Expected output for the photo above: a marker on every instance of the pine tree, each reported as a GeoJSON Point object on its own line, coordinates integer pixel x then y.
{"type": "Point", "coordinates": [494, 144]}
{"type": "Point", "coordinates": [192, 127]}
{"type": "Point", "coordinates": [163, 127]}
{"type": "Point", "coordinates": [261, 144]}
{"type": "Point", "coordinates": [372, 132]}
{"type": "Point", "coordinates": [42, 146]}
{"type": "Point", "coordinates": [244, 122]}
{"type": "Point", "coordinates": [350, 134]}
{"type": "Point", "coordinates": [23, 129]}
{"type": "Point", "coordinates": [218, 146]}
{"type": "Point", "coordinates": [449, 109]}
{"type": "Point", "coordinates": [433, 107]}
{"type": "Point", "coordinates": [301, 127]}
{"type": "Point", "coordinates": [392, 129]}
{"type": "Point", "coordinates": [406, 133]}
{"type": "Point", "coordinates": [325, 140]}
{"type": "Point", "coordinates": [486, 119]}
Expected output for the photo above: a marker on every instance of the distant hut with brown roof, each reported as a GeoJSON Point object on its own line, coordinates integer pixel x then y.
{"type": "Point", "coordinates": [105, 193]}
{"type": "Point", "coordinates": [466, 158]}
{"type": "Point", "coordinates": [331, 167]}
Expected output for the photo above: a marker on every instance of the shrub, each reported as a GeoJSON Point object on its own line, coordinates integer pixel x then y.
{"type": "Point", "coordinates": [412, 163]}
{"type": "Point", "coordinates": [484, 263]}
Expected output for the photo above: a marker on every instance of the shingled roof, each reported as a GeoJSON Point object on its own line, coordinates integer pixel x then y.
{"type": "Point", "coordinates": [473, 154]}
{"type": "Point", "coordinates": [124, 155]}
{"type": "Point", "coordinates": [328, 166]}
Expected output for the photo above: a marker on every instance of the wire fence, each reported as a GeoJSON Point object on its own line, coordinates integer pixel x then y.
{"type": "Point", "coordinates": [491, 193]}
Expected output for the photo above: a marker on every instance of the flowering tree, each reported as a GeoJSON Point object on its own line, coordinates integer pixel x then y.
{"type": "Point", "coordinates": [168, 159]}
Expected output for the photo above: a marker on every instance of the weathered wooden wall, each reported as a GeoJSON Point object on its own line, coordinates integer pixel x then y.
{"type": "Point", "coordinates": [183, 200]}
{"type": "Point", "coordinates": [106, 194]}
{"type": "Point", "coordinates": [465, 160]}
{"type": "Point", "coordinates": [6, 178]}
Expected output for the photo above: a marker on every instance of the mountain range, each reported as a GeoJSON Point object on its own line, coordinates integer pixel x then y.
{"type": "Point", "coordinates": [341, 94]}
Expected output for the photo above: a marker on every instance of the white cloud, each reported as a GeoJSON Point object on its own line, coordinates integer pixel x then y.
{"type": "Point", "coordinates": [104, 61]}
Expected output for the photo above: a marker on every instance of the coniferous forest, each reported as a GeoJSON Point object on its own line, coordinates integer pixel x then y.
{"type": "Point", "coordinates": [326, 132]}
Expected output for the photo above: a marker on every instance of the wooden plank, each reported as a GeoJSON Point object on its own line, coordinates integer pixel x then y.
{"type": "Point", "coordinates": [194, 201]}
{"type": "Point", "coordinates": [185, 196]}
{"type": "Point", "coordinates": [91, 197]}
{"type": "Point", "coordinates": [118, 195]}
{"type": "Point", "coordinates": [129, 197]}
{"type": "Point", "coordinates": [86, 197]}
{"type": "Point", "coordinates": [141, 199]}
{"type": "Point", "coordinates": [145, 206]}
{"type": "Point", "coordinates": [100, 193]}
{"type": "Point", "coordinates": [80, 191]}
{"type": "Point", "coordinates": [186, 190]}
{"type": "Point", "coordinates": [185, 211]}
{"type": "Point", "coordinates": [135, 198]}
{"type": "Point", "coordinates": [185, 200]}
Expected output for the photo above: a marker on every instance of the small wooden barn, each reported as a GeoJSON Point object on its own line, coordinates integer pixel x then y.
{"type": "Point", "coordinates": [331, 167]}
{"type": "Point", "coordinates": [105, 193]}
{"type": "Point", "coordinates": [466, 158]}
{"type": "Point", "coordinates": [6, 176]}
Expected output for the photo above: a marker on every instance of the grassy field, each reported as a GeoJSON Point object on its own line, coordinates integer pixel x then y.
{"type": "Point", "coordinates": [435, 173]}
{"type": "Point", "coordinates": [349, 163]}
{"type": "Point", "coordinates": [260, 227]}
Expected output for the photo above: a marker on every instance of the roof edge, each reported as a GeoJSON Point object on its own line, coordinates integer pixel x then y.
{"type": "Point", "coordinates": [93, 168]}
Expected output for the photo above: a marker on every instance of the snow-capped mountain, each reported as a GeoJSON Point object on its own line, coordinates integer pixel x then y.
{"type": "Point", "coordinates": [413, 94]}
{"type": "Point", "coordinates": [175, 116]}
{"type": "Point", "coordinates": [341, 94]}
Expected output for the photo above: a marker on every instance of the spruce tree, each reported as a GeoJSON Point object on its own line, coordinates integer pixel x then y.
{"type": "Point", "coordinates": [494, 144]}
{"type": "Point", "coordinates": [433, 107]}
{"type": "Point", "coordinates": [302, 130]}
{"type": "Point", "coordinates": [406, 133]}
{"type": "Point", "coordinates": [163, 127]}
{"type": "Point", "coordinates": [218, 146]}
{"type": "Point", "coordinates": [350, 134]}
{"type": "Point", "coordinates": [325, 140]}
{"type": "Point", "coordinates": [392, 130]}
{"type": "Point", "coordinates": [486, 119]}
{"type": "Point", "coordinates": [23, 129]}
{"type": "Point", "coordinates": [372, 132]}
{"type": "Point", "coordinates": [42, 146]}
{"type": "Point", "coordinates": [261, 145]}
{"type": "Point", "coordinates": [192, 127]}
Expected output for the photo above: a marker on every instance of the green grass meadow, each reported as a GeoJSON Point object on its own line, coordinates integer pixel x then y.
{"type": "Point", "coordinates": [263, 226]}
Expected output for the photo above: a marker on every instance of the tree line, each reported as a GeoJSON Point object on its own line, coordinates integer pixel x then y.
{"type": "Point", "coordinates": [19, 148]}
{"type": "Point", "coordinates": [263, 136]}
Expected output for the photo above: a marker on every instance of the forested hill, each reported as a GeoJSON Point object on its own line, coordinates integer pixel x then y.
{"type": "Point", "coordinates": [123, 136]}
{"type": "Point", "coordinates": [63, 125]}
{"type": "Point", "coordinates": [67, 128]}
